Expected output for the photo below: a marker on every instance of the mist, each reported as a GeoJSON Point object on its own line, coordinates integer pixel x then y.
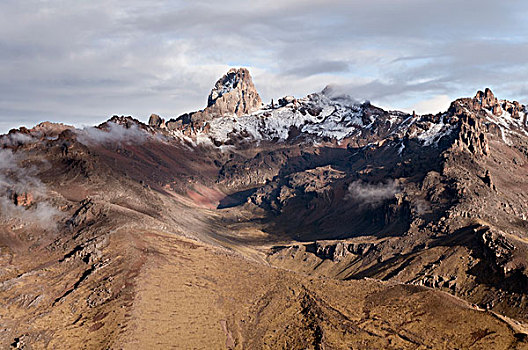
{"type": "Point", "coordinates": [340, 93]}
{"type": "Point", "coordinates": [15, 139]}
{"type": "Point", "coordinates": [17, 179]}
{"type": "Point", "coordinates": [372, 195]}
{"type": "Point", "coordinates": [115, 133]}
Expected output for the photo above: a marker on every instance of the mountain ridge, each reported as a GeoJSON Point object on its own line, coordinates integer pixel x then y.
{"type": "Point", "coordinates": [305, 199]}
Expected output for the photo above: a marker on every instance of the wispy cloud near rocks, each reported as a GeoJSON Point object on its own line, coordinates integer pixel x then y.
{"type": "Point", "coordinates": [372, 195]}
{"type": "Point", "coordinates": [113, 133]}
{"type": "Point", "coordinates": [22, 195]}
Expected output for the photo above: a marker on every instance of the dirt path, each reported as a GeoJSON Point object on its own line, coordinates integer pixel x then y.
{"type": "Point", "coordinates": [174, 299]}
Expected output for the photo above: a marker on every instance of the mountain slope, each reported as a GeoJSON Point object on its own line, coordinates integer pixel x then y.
{"type": "Point", "coordinates": [317, 223]}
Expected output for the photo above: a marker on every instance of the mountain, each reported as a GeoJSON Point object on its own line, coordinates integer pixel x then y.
{"type": "Point", "coordinates": [310, 223]}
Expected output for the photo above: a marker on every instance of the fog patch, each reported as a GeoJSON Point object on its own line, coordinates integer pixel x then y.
{"type": "Point", "coordinates": [41, 214]}
{"type": "Point", "coordinates": [421, 206]}
{"type": "Point", "coordinates": [372, 195]}
{"type": "Point", "coordinates": [18, 180]}
{"type": "Point", "coordinates": [15, 139]}
{"type": "Point", "coordinates": [340, 94]}
{"type": "Point", "coordinates": [114, 133]}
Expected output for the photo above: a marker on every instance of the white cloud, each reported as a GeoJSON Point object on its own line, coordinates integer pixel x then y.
{"type": "Point", "coordinates": [373, 195]}
{"type": "Point", "coordinates": [17, 179]}
{"type": "Point", "coordinates": [113, 133]}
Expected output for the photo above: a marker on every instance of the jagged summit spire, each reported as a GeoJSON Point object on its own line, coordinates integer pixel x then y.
{"type": "Point", "coordinates": [487, 100]}
{"type": "Point", "coordinates": [233, 93]}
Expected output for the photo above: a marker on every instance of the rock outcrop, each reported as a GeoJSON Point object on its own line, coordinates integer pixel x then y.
{"type": "Point", "coordinates": [336, 251]}
{"type": "Point", "coordinates": [472, 135]}
{"type": "Point", "coordinates": [468, 113]}
{"type": "Point", "coordinates": [24, 199]}
{"type": "Point", "coordinates": [156, 121]}
{"type": "Point", "coordinates": [234, 93]}
{"type": "Point", "coordinates": [487, 100]}
{"type": "Point", "coordinates": [514, 108]}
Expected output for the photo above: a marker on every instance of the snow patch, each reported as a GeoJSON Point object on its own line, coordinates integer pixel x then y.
{"type": "Point", "coordinates": [435, 132]}
{"type": "Point", "coordinates": [402, 147]}
{"type": "Point", "coordinates": [315, 114]}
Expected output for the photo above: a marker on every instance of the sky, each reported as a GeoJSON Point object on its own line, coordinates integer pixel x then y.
{"type": "Point", "coordinates": [80, 62]}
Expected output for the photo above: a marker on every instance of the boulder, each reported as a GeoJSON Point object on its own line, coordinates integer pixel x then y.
{"type": "Point", "coordinates": [286, 100]}
{"type": "Point", "coordinates": [24, 199]}
{"type": "Point", "coordinates": [156, 121]}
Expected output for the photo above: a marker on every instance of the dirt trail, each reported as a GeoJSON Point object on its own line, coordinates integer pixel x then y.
{"type": "Point", "coordinates": [172, 307]}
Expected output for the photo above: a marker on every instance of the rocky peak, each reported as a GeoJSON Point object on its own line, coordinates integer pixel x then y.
{"type": "Point", "coordinates": [234, 93]}
{"type": "Point", "coordinates": [487, 100]}
{"type": "Point", "coordinates": [157, 121]}
{"type": "Point", "coordinates": [125, 121]}
{"type": "Point", "coordinates": [236, 87]}
{"type": "Point", "coordinates": [466, 113]}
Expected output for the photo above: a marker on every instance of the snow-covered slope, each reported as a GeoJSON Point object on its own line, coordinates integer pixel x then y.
{"type": "Point", "coordinates": [235, 116]}
{"type": "Point", "coordinates": [316, 115]}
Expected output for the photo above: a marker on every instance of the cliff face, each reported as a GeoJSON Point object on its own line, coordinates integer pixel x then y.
{"type": "Point", "coordinates": [234, 93]}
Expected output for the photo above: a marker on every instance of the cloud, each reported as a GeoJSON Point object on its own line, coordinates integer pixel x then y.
{"type": "Point", "coordinates": [91, 60]}
{"type": "Point", "coordinates": [15, 179]}
{"type": "Point", "coordinates": [341, 94]}
{"type": "Point", "coordinates": [15, 139]}
{"type": "Point", "coordinates": [372, 195]}
{"type": "Point", "coordinates": [41, 214]}
{"type": "Point", "coordinates": [112, 133]}
{"type": "Point", "coordinates": [318, 67]}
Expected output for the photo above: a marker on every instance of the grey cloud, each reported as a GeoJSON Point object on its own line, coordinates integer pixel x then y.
{"type": "Point", "coordinates": [341, 94]}
{"type": "Point", "coordinates": [15, 139]}
{"type": "Point", "coordinates": [318, 67]}
{"type": "Point", "coordinates": [91, 60]}
{"type": "Point", "coordinates": [384, 92]}
{"type": "Point", "coordinates": [42, 214]}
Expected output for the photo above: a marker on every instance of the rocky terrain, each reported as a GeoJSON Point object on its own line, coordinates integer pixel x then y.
{"type": "Point", "coordinates": [306, 223]}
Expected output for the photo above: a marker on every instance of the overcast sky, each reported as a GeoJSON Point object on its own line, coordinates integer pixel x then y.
{"type": "Point", "coordinates": [80, 62]}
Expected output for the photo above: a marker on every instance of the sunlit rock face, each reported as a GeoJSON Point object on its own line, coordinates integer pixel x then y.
{"type": "Point", "coordinates": [234, 93]}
